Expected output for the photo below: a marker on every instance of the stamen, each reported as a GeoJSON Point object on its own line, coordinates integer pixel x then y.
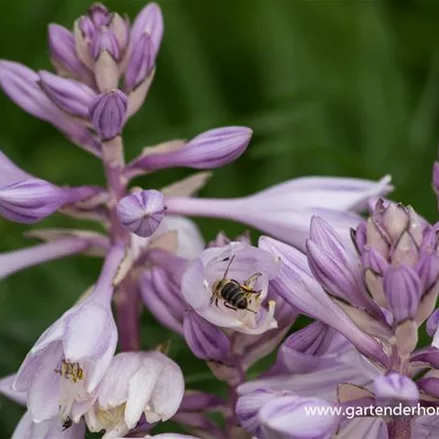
{"type": "Point", "coordinates": [70, 370]}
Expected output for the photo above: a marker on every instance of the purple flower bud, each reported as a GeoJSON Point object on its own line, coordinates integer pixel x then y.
{"type": "Point", "coordinates": [428, 270]}
{"type": "Point", "coordinates": [64, 56]}
{"type": "Point", "coordinates": [140, 64]}
{"type": "Point", "coordinates": [99, 14]}
{"type": "Point", "coordinates": [69, 95]}
{"type": "Point", "coordinates": [208, 150]}
{"type": "Point", "coordinates": [87, 27]}
{"type": "Point", "coordinates": [288, 417]}
{"type": "Point", "coordinates": [149, 21]}
{"type": "Point", "coordinates": [142, 212]}
{"type": "Point", "coordinates": [105, 41]}
{"type": "Point", "coordinates": [433, 323]}
{"type": "Point", "coordinates": [248, 406]}
{"type": "Point", "coordinates": [31, 200]}
{"type": "Point", "coordinates": [373, 260]}
{"type": "Point", "coordinates": [395, 387]}
{"type": "Point", "coordinates": [429, 385]}
{"type": "Point", "coordinates": [402, 287]}
{"type": "Point", "coordinates": [205, 340]}
{"type": "Point", "coordinates": [107, 113]}
{"type": "Point", "coordinates": [120, 29]}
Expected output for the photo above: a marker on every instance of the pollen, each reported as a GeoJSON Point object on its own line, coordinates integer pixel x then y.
{"type": "Point", "coordinates": [71, 371]}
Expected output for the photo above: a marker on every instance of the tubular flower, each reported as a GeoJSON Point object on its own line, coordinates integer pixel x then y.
{"type": "Point", "coordinates": [136, 383]}
{"type": "Point", "coordinates": [26, 199]}
{"type": "Point", "coordinates": [284, 211]}
{"type": "Point", "coordinates": [236, 264]}
{"type": "Point", "coordinates": [66, 364]}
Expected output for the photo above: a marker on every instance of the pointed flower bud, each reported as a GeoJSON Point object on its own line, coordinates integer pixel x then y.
{"type": "Point", "coordinates": [428, 270]}
{"type": "Point", "coordinates": [99, 14]}
{"type": "Point", "coordinates": [402, 287]}
{"type": "Point", "coordinates": [205, 340]}
{"type": "Point", "coordinates": [148, 21]}
{"type": "Point", "coordinates": [69, 95]}
{"type": "Point", "coordinates": [142, 212]}
{"type": "Point", "coordinates": [121, 30]}
{"type": "Point", "coordinates": [288, 416]}
{"type": "Point", "coordinates": [107, 113]}
{"type": "Point", "coordinates": [162, 297]}
{"type": "Point", "coordinates": [140, 64]}
{"type": "Point", "coordinates": [208, 150]}
{"type": "Point", "coordinates": [297, 286]}
{"type": "Point", "coordinates": [136, 383]}
{"type": "Point", "coordinates": [79, 346]}
{"type": "Point", "coordinates": [64, 57]}
{"type": "Point", "coordinates": [395, 387]}
{"type": "Point", "coordinates": [26, 199]}
{"type": "Point", "coordinates": [105, 41]}
{"type": "Point", "coordinates": [285, 210]}
{"type": "Point", "coordinates": [206, 277]}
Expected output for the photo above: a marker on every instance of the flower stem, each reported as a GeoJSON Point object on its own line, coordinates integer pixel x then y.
{"type": "Point", "coordinates": [126, 293]}
{"type": "Point", "coordinates": [399, 428]}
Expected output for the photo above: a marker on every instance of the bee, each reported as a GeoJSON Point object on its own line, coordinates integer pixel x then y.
{"type": "Point", "coordinates": [66, 423]}
{"type": "Point", "coordinates": [236, 296]}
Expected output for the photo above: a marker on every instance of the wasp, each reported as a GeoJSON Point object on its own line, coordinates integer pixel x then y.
{"type": "Point", "coordinates": [66, 423]}
{"type": "Point", "coordinates": [236, 296]}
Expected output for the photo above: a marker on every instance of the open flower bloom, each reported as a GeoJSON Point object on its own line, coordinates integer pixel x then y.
{"type": "Point", "coordinates": [238, 265]}
{"type": "Point", "coordinates": [284, 211]}
{"type": "Point", "coordinates": [136, 383]}
{"type": "Point", "coordinates": [61, 372]}
{"type": "Point", "coordinates": [26, 199]}
{"type": "Point", "coordinates": [28, 429]}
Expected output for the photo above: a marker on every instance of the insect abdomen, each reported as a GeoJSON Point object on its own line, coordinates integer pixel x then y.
{"type": "Point", "coordinates": [233, 294]}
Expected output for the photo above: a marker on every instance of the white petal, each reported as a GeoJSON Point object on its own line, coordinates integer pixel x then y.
{"type": "Point", "coordinates": [169, 389]}
{"type": "Point", "coordinates": [141, 386]}
{"type": "Point", "coordinates": [113, 390]}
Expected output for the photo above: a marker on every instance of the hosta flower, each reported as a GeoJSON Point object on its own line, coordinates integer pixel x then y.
{"type": "Point", "coordinates": [210, 149]}
{"type": "Point", "coordinates": [26, 199]}
{"type": "Point", "coordinates": [28, 429]}
{"type": "Point", "coordinates": [136, 384]}
{"type": "Point", "coordinates": [285, 210]}
{"type": "Point", "coordinates": [61, 372]}
{"type": "Point", "coordinates": [237, 264]}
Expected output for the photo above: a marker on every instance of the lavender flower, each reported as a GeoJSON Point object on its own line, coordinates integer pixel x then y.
{"type": "Point", "coordinates": [245, 262]}
{"type": "Point", "coordinates": [26, 199]}
{"type": "Point", "coordinates": [107, 114]}
{"type": "Point", "coordinates": [284, 211]}
{"type": "Point", "coordinates": [63, 369]}
{"type": "Point", "coordinates": [136, 383]}
{"type": "Point", "coordinates": [208, 150]}
{"type": "Point", "coordinates": [142, 212]}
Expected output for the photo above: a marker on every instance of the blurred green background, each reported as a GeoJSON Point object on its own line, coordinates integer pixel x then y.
{"type": "Point", "coordinates": [347, 88]}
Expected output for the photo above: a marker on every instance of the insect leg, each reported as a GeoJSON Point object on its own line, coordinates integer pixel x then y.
{"type": "Point", "coordinates": [251, 281]}
{"type": "Point", "coordinates": [230, 306]}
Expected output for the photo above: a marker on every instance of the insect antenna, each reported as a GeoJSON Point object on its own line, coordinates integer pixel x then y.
{"type": "Point", "coordinates": [228, 266]}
